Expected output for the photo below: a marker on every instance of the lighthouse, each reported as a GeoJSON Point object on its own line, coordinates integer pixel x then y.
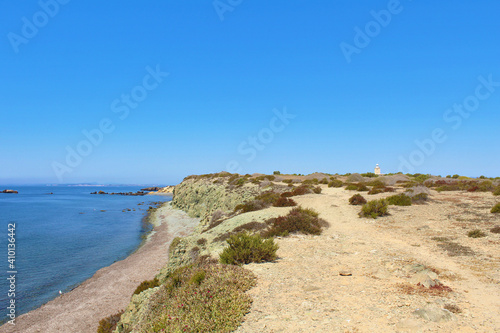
{"type": "Point", "coordinates": [377, 170]}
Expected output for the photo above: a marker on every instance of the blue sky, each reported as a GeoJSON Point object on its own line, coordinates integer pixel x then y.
{"type": "Point", "coordinates": [252, 86]}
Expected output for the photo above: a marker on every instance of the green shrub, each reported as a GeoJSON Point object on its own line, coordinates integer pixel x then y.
{"type": "Point", "coordinates": [374, 209]}
{"type": "Point", "coordinates": [335, 183]}
{"type": "Point", "coordinates": [108, 324]}
{"type": "Point", "coordinates": [317, 190]}
{"type": "Point", "coordinates": [421, 178]}
{"type": "Point", "coordinates": [496, 191]}
{"type": "Point", "coordinates": [298, 220]}
{"type": "Point", "coordinates": [362, 187]}
{"type": "Point", "coordinates": [313, 181]}
{"type": "Point", "coordinates": [148, 284]}
{"type": "Point", "coordinates": [476, 233]}
{"type": "Point", "coordinates": [399, 200]}
{"type": "Point", "coordinates": [301, 190]}
{"type": "Point", "coordinates": [323, 181]}
{"type": "Point", "coordinates": [419, 198]}
{"type": "Point", "coordinates": [376, 190]}
{"type": "Point", "coordinates": [191, 302]}
{"type": "Point", "coordinates": [244, 248]}
{"type": "Point", "coordinates": [369, 175]}
{"type": "Point", "coordinates": [351, 187]}
{"type": "Point", "coordinates": [287, 181]}
{"type": "Point", "coordinates": [198, 277]}
{"type": "Point", "coordinates": [455, 176]}
{"type": "Point", "coordinates": [284, 202]}
{"type": "Point", "coordinates": [496, 208]}
{"type": "Point", "coordinates": [357, 199]}
{"type": "Point", "coordinates": [276, 173]}
{"type": "Point", "coordinates": [176, 241]}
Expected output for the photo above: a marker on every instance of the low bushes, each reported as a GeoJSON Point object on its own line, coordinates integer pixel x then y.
{"type": "Point", "coordinates": [476, 233]}
{"type": "Point", "coordinates": [298, 220]}
{"type": "Point", "coordinates": [202, 297]}
{"type": "Point", "coordinates": [374, 209]}
{"type": "Point", "coordinates": [399, 200]}
{"type": "Point", "coordinates": [244, 248]}
{"type": "Point", "coordinates": [284, 202]}
{"type": "Point", "coordinates": [108, 324]}
{"type": "Point", "coordinates": [356, 187]}
{"type": "Point", "coordinates": [301, 190]}
{"type": "Point", "coordinates": [335, 183]}
{"type": "Point", "coordinates": [496, 191]}
{"type": "Point", "coordinates": [146, 285]}
{"type": "Point", "coordinates": [496, 208]}
{"type": "Point", "coordinates": [357, 199]}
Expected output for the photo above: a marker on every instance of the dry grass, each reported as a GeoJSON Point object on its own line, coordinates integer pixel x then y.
{"type": "Point", "coordinates": [410, 289]}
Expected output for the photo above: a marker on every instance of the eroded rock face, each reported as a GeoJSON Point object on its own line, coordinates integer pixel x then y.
{"type": "Point", "coordinates": [200, 198]}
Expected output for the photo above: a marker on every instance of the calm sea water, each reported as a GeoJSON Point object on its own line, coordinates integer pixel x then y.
{"type": "Point", "coordinates": [63, 238]}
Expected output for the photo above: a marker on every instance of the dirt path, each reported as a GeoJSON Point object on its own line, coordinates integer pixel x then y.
{"type": "Point", "coordinates": [303, 291]}
{"type": "Point", "coordinates": [110, 289]}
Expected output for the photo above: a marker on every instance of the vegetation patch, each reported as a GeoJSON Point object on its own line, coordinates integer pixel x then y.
{"type": "Point", "coordinates": [145, 285]}
{"type": "Point", "coordinates": [335, 183]}
{"type": "Point", "coordinates": [439, 290]}
{"type": "Point", "coordinates": [244, 248]}
{"type": "Point", "coordinates": [298, 220]}
{"type": "Point", "coordinates": [357, 199]}
{"type": "Point", "coordinates": [476, 233]}
{"type": "Point", "coordinates": [374, 209]}
{"type": "Point", "coordinates": [108, 324]}
{"type": "Point", "coordinates": [496, 208]}
{"type": "Point", "coordinates": [301, 190]}
{"type": "Point", "coordinates": [399, 200]}
{"type": "Point", "coordinates": [284, 202]}
{"type": "Point", "coordinates": [176, 241]}
{"type": "Point", "coordinates": [495, 229]}
{"type": "Point", "coordinates": [455, 249]}
{"type": "Point", "coordinates": [203, 297]}
{"type": "Point", "coordinates": [496, 191]}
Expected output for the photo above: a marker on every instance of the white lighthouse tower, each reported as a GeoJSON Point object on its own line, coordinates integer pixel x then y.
{"type": "Point", "coordinates": [377, 170]}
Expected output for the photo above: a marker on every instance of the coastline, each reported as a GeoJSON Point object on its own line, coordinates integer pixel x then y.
{"type": "Point", "coordinates": [109, 290]}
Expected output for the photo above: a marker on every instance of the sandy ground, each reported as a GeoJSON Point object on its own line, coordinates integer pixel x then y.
{"type": "Point", "coordinates": [303, 292]}
{"type": "Point", "coordinates": [110, 289]}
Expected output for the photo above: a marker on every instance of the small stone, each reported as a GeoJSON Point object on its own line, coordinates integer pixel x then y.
{"type": "Point", "coordinates": [345, 273]}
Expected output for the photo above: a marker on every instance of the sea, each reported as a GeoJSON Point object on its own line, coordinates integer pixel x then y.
{"type": "Point", "coordinates": [62, 236]}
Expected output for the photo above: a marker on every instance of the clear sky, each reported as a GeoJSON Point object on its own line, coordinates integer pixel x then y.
{"type": "Point", "coordinates": [152, 91]}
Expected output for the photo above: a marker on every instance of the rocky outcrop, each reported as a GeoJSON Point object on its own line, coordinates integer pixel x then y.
{"type": "Point", "coordinates": [201, 197]}
{"type": "Point", "coordinates": [9, 191]}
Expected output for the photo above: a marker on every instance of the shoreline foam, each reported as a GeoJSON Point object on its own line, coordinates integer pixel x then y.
{"type": "Point", "coordinates": [109, 290]}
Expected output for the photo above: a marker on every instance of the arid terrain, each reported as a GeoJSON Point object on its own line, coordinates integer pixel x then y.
{"type": "Point", "coordinates": [362, 274]}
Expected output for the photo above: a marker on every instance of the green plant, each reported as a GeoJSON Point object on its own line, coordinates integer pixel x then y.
{"type": "Point", "coordinates": [276, 173]}
{"type": "Point", "coordinates": [244, 248]}
{"type": "Point", "coordinates": [399, 200]}
{"type": "Point", "coordinates": [335, 183]}
{"type": "Point", "coordinates": [357, 199]}
{"type": "Point", "coordinates": [176, 241]}
{"type": "Point", "coordinates": [419, 198]}
{"type": "Point", "coordinates": [298, 220]}
{"type": "Point", "coordinates": [476, 233]}
{"type": "Point", "coordinates": [496, 191]}
{"type": "Point", "coordinates": [146, 285]}
{"type": "Point", "coordinates": [369, 175]}
{"type": "Point", "coordinates": [351, 187]}
{"type": "Point", "coordinates": [376, 190]}
{"type": "Point", "coordinates": [287, 181]}
{"type": "Point", "coordinates": [301, 190]}
{"type": "Point", "coordinates": [284, 202]}
{"type": "Point", "coordinates": [374, 209]}
{"type": "Point", "coordinates": [323, 181]}
{"type": "Point", "coordinates": [198, 277]}
{"type": "Point", "coordinates": [317, 190]}
{"type": "Point", "coordinates": [186, 302]}
{"type": "Point", "coordinates": [108, 324]}
{"type": "Point", "coordinates": [496, 208]}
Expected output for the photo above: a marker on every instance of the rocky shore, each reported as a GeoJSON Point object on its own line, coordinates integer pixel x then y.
{"type": "Point", "coordinates": [9, 191]}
